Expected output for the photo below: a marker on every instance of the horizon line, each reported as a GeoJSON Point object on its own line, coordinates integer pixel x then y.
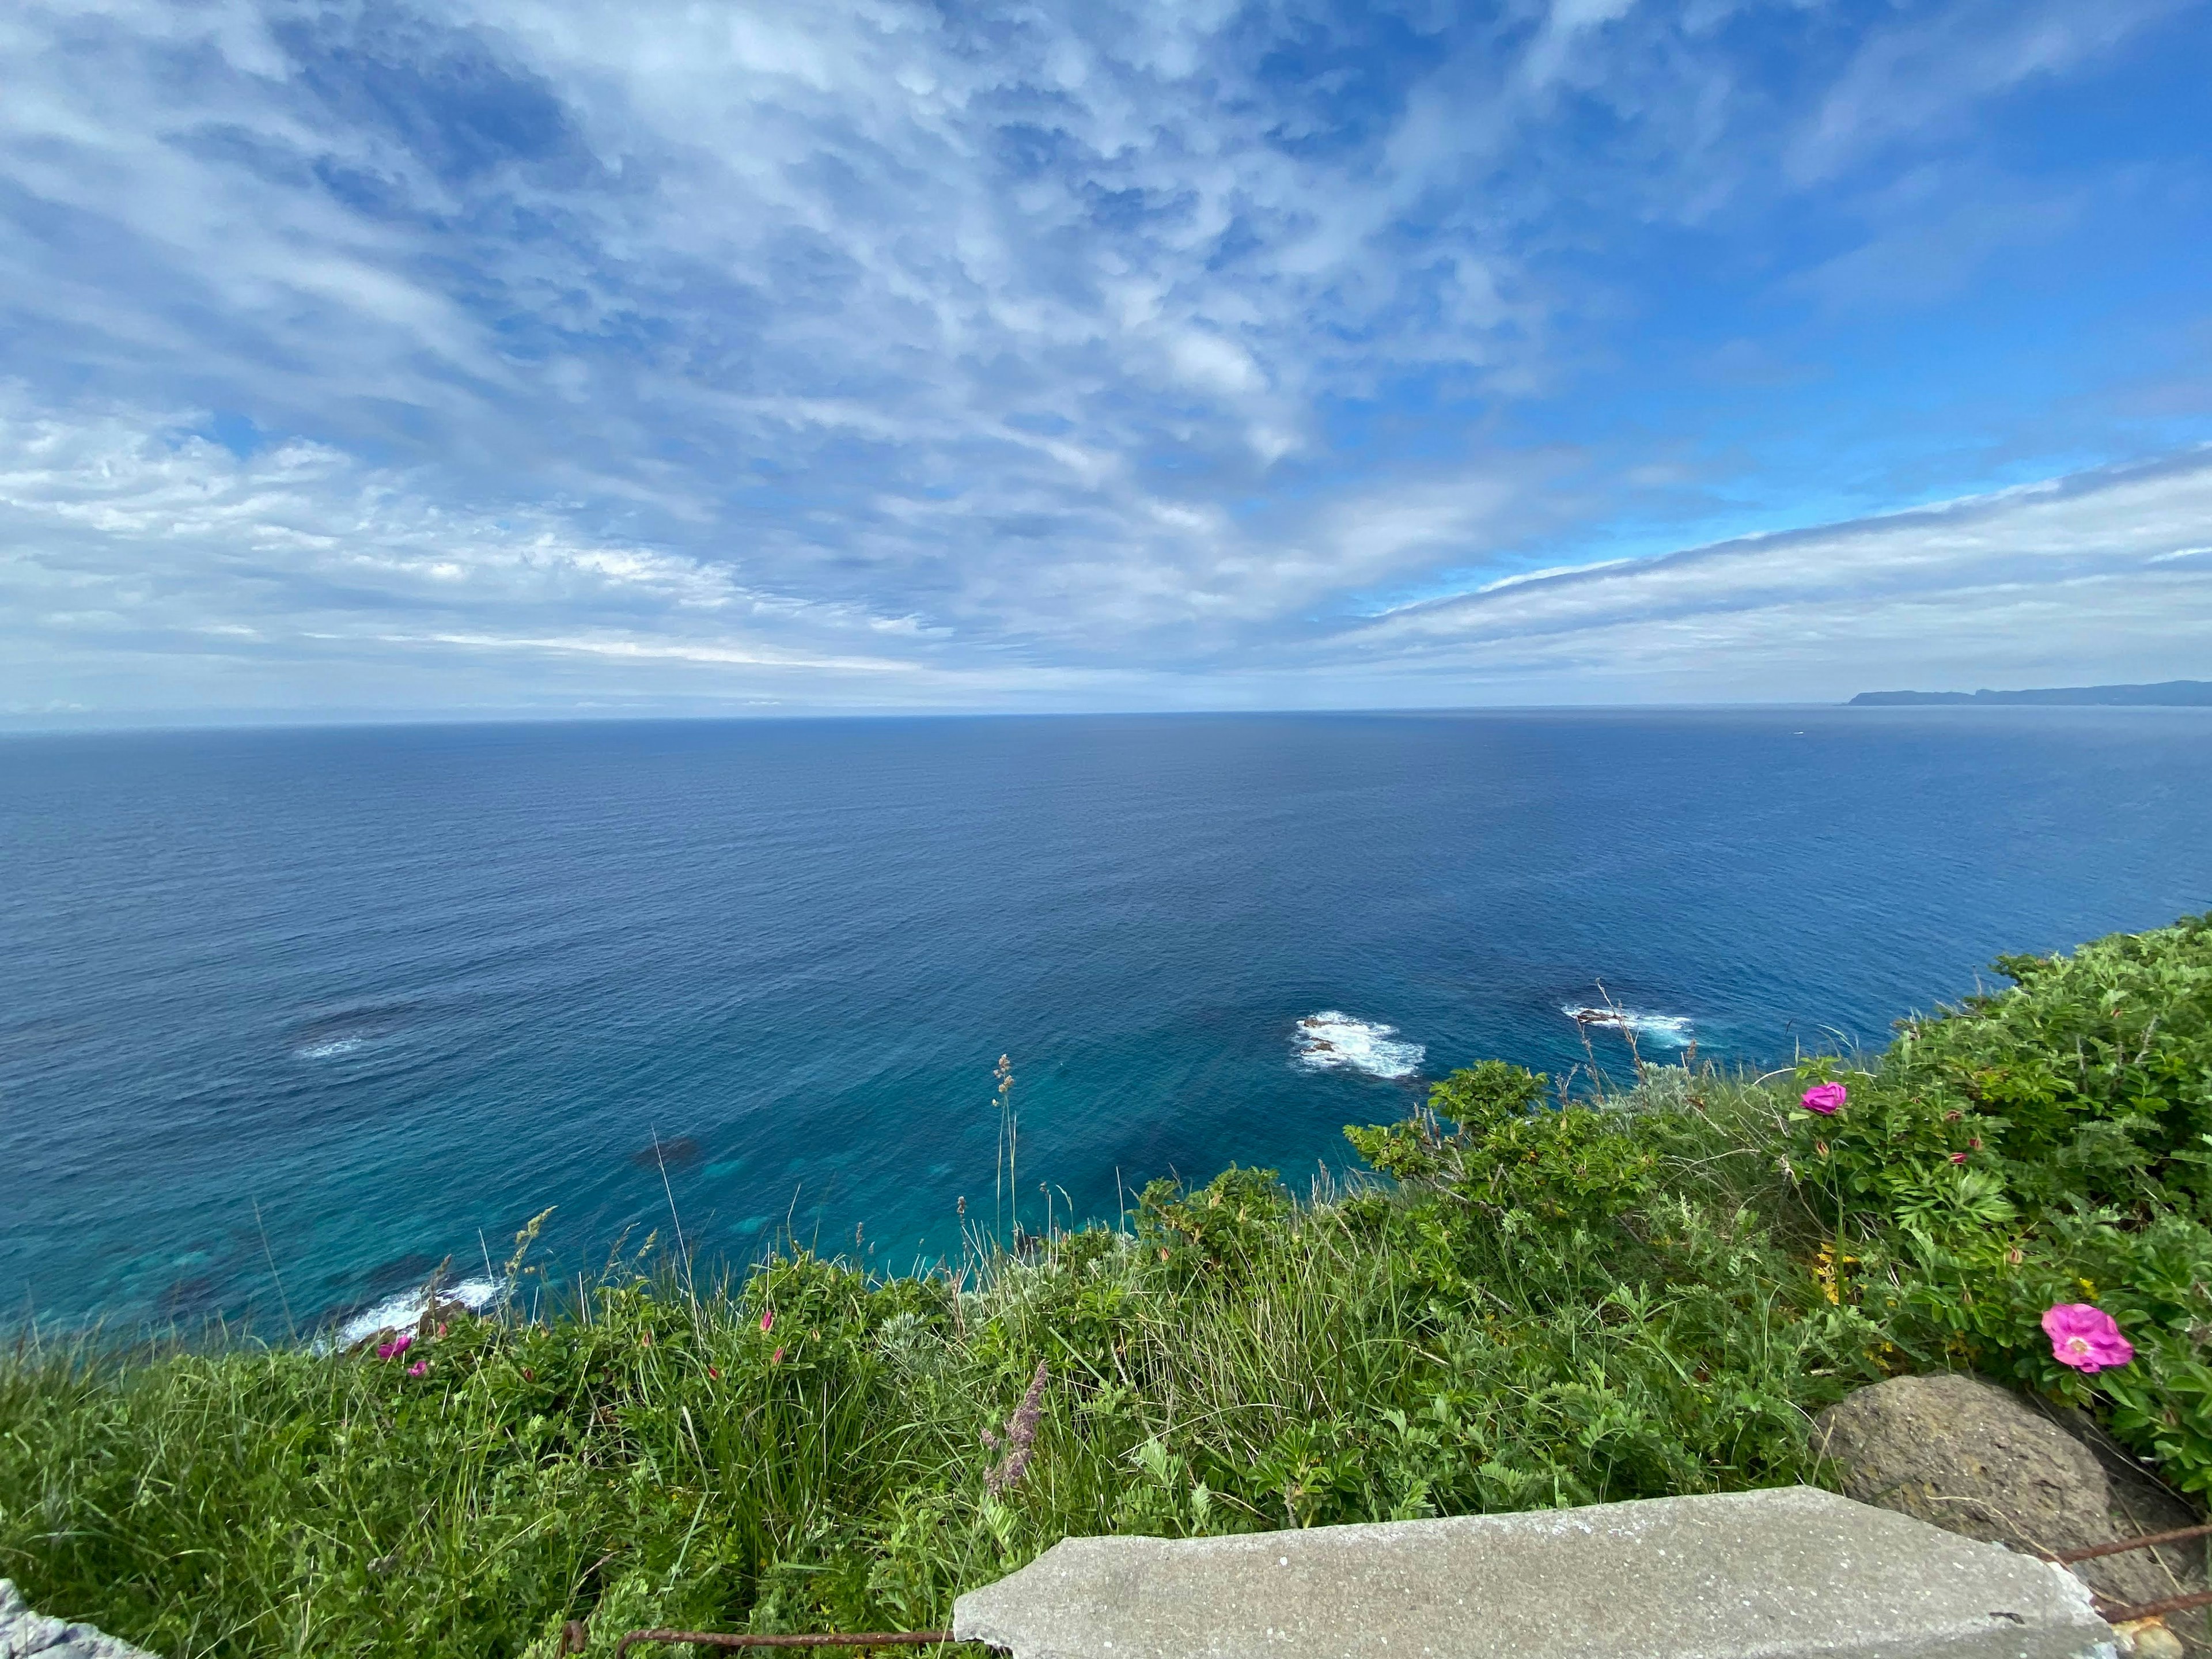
{"type": "Point", "coordinates": [385, 721]}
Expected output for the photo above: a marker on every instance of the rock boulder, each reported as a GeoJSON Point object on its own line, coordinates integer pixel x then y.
{"type": "Point", "coordinates": [1978, 1460]}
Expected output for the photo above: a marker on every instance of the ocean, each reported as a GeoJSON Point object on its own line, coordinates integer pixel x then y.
{"type": "Point", "coordinates": [287, 1018]}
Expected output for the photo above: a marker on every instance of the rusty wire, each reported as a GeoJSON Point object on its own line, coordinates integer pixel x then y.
{"type": "Point", "coordinates": [2090, 1553]}
{"type": "Point", "coordinates": [909, 1638]}
{"type": "Point", "coordinates": [2159, 1609]}
{"type": "Point", "coordinates": [2113, 1614]}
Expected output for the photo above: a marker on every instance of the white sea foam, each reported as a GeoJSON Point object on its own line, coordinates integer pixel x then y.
{"type": "Point", "coordinates": [329, 1048]}
{"type": "Point", "coordinates": [1331, 1041]}
{"type": "Point", "coordinates": [1668, 1030]}
{"type": "Point", "coordinates": [403, 1311]}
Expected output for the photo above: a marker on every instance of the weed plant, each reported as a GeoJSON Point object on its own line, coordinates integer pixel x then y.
{"type": "Point", "coordinates": [1539, 1301]}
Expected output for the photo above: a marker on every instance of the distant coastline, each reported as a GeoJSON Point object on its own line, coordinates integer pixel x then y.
{"type": "Point", "coordinates": [2167, 694]}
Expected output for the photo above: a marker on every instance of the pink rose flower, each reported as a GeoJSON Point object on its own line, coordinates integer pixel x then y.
{"type": "Point", "coordinates": [419, 1367]}
{"type": "Point", "coordinates": [1826, 1097]}
{"type": "Point", "coordinates": [2086, 1337]}
{"type": "Point", "coordinates": [1958, 1158]}
{"type": "Point", "coordinates": [393, 1349]}
{"type": "Point", "coordinates": [768, 1321]}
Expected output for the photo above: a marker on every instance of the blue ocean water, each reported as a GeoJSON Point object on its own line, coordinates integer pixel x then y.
{"type": "Point", "coordinates": [319, 1008]}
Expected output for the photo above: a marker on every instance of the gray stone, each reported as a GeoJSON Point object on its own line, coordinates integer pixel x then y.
{"type": "Point", "coordinates": [1767, 1575]}
{"type": "Point", "coordinates": [1978, 1460]}
{"type": "Point", "coordinates": [27, 1635]}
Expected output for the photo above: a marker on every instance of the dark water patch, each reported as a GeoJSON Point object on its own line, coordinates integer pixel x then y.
{"type": "Point", "coordinates": [189, 1300]}
{"type": "Point", "coordinates": [402, 1273]}
{"type": "Point", "coordinates": [679, 1153]}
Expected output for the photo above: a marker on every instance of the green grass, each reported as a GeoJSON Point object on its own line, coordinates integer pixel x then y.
{"type": "Point", "coordinates": [1645, 1294]}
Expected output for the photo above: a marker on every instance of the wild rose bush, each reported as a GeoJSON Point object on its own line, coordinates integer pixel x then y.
{"type": "Point", "coordinates": [2040, 1146]}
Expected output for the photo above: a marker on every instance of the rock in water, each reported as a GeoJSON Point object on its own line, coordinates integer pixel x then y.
{"type": "Point", "coordinates": [27, 1635]}
{"type": "Point", "coordinates": [1975, 1459]}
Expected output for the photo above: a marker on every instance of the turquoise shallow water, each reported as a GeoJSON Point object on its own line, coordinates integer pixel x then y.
{"type": "Point", "coordinates": [399, 988]}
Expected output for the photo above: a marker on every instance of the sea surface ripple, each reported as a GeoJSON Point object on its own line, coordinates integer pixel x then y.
{"type": "Point", "coordinates": [292, 1016]}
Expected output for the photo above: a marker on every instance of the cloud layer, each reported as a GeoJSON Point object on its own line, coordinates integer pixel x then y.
{"type": "Point", "coordinates": [2107, 574]}
{"type": "Point", "coordinates": [586, 357]}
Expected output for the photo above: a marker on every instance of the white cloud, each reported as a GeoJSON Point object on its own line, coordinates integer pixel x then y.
{"type": "Point", "coordinates": [141, 556]}
{"type": "Point", "coordinates": [2076, 578]}
{"type": "Point", "coordinates": [143, 538]}
{"type": "Point", "coordinates": [975, 351]}
{"type": "Point", "coordinates": [1917, 78]}
{"type": "Point", "coordinates": [1566, 21]}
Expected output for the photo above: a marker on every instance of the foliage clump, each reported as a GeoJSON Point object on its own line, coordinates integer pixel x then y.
{"type": "Point", "coordinates": [2047, 1144]}
{"type": "Point", "coordinates": [1547, 1302]}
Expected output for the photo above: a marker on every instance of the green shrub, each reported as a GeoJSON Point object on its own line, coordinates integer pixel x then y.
{"type": "Point", "coordinates": [2045, 1144]}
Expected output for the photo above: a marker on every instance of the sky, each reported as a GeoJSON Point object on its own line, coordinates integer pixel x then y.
{"type": "Point", "coordinates": [585, 358]}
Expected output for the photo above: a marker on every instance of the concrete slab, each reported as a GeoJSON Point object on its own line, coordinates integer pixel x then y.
{"type": "Point", "coordinates": [1768, 1575]}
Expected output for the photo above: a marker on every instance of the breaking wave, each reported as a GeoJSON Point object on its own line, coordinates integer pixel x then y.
{"type": "Point", "coordinates": [1331, 1041]}
{"type": "Point", "coordinates": [1669, 1030]}
{"type": "Point", "coordinates": [403, 1312]}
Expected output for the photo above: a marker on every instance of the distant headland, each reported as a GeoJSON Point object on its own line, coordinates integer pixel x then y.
{"type": "Point", "coordinates": [2168, 694]}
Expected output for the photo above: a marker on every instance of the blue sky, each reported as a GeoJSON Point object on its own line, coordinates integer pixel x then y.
{"type": "Point", "coordinates": [583, 357]}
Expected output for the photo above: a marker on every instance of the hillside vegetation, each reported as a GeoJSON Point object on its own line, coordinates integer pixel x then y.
{"type": "Point", "coordinates": [1643, 1293]}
